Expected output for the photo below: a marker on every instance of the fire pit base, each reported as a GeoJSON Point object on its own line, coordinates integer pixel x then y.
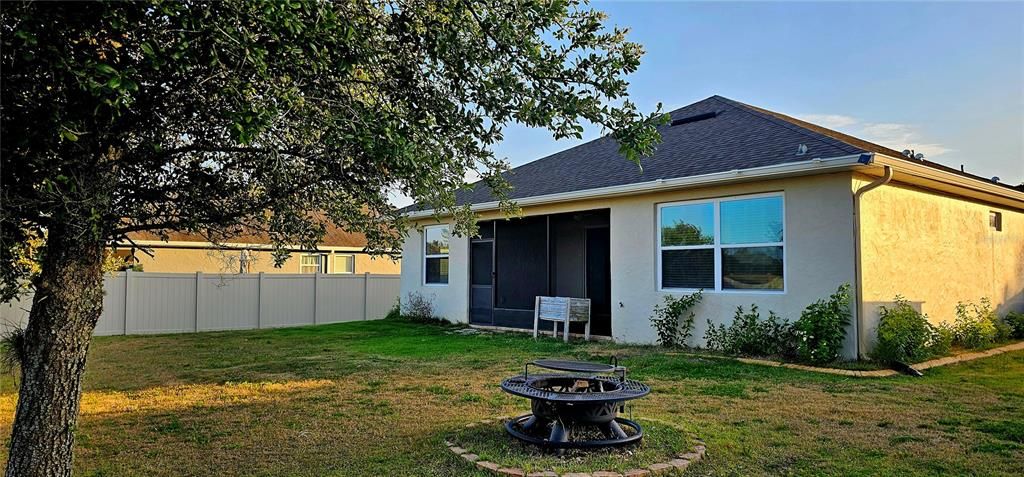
{"type": "Point", "coordinates": [618, 432]}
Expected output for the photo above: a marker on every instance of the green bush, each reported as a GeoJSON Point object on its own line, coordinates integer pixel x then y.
{"type": "Point", "coordinates": [942, 339]}
{"type": "Point", "coordinates": [975, 325]}
{"type": "Point", "coordinates": [904, 335]}
{"type": "Point", "coordinates": [1016, 323]}
{"type": "Point", "coordinates": [749, 335]}
{"type": "Point", "coordinates": [821, 329]}
{"type": "Point", "coordinates": [671, 320]}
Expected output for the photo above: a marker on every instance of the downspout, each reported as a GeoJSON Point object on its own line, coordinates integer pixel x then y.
{"type": "Point", "coordinates": [858, 265]}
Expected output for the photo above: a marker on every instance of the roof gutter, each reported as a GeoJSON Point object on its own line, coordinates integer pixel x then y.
{"type": "Point", "coordinates": [978, 188]}
{"type": "Point", "coordinates": [813, 166]}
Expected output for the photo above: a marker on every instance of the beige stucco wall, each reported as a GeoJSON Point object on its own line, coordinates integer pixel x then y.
{"type": "Point", "coordinates": [936, 250]}
{"type": "Point", "coordinates": [188, 260]}
{"type": "Point", "coordinates": [819, 255]}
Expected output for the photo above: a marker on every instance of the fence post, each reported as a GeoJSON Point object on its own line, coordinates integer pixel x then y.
{"type": "Point", "coordinates": [199, 298]}
{"type": "Point", "coordinates": [259, 302]}
{"type": "Point", "coordinates": [366, 293]}
{"type": "Point", "coordinates": [316, 294]}
{"type": "Point", "coordinates": [128, 290]}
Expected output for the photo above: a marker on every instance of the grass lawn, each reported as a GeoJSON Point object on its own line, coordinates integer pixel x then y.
{"type": "Point", "coordinates": [378, 398]}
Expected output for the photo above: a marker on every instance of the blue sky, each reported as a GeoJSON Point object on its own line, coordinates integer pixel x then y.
{"type": "Point", "coordinates": [946, 79]}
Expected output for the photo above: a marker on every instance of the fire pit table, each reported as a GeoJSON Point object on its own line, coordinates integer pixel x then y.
{"type": "Point", "coordinates": [578, 409]}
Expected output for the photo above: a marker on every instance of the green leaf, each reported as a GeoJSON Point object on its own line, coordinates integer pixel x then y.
{"type": "Point", "coordinates": [106, 69]}
{"type": "Point", "coordinates": [70, 136]}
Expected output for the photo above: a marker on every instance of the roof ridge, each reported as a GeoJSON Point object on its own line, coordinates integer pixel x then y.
{"type": "Point", "coordinates": [762, 114]}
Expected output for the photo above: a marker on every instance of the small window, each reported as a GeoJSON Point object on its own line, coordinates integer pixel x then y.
{"type": "Point", "coordinates": [344, 263]}
{"type": "Point", "coordinates": [722, 244]}
{"type": "Point", "coordinates": [995, 220]}
{"type": "Point", "coordinates": [313, 263]}
{"type": "Point", "coordinates": [435, 256]}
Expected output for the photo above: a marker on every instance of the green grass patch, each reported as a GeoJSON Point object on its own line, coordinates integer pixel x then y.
{"type": "Point", "coordinates": [661, 443]}
{"type": "Point", "coordinates": [378, 398]}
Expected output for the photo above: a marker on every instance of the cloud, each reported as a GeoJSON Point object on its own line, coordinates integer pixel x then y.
{"type": "Point", "coordinates": [898, 136]}
{"type": "Point", "coordinates": [831, 121]}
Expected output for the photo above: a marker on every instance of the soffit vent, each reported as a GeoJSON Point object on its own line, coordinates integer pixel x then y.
{"type": "Point", "coordinates": [694, 118]}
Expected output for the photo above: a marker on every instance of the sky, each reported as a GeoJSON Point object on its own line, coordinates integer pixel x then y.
{"type": "Point", "coordinates": [944, 79]}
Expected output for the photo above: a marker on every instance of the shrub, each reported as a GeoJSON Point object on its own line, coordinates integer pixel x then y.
{"type": "Point", "coordinates": [12, 344]}
{"type": "Point", "coordinates": [942, 339]}
{"type": "Point", "coordinates": [671, 320]}
{"type": "Point", "coordinates": [821, 329]}
{"type": "Point", "coordinates": [418, 308]}
{"type": "Point", "coordinates": [904, 335]}
{"type": "Point", "coordinates": [749, 335]}
{"type": "Point", "coordinates": [1016, 323]}
{"type": "Point", "coordinates": [975, 325]}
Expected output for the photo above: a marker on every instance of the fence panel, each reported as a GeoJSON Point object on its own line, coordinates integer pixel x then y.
{"type": "Point", "coordinates": [383, 294]}
{"type": "Point", "coordinates": [161, 303]}
{"type": "Point", "coordinates": [288, 300]}
{"type": "Point", "coordinates": [340, 298]}
{"type": "Point", "coordinates": [143, 303]}
{"type": "Point", "coordinates": [112, 320]}
{"type": "Point", "coordinates": [229, 302]}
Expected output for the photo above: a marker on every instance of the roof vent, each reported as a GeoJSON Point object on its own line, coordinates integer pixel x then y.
{"type": "Point", "coordinates": [694, 118]}
{"type": "Point", "coordinates": [801, 149]}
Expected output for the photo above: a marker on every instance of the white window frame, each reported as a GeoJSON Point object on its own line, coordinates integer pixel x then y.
{"type": "Point", "coordinates": [426, 255]}
{"type": "Point", "coordinates": [717, 246]}
{"type": "Point", "coordinates": [344, 272]}
{"type": "Point", "coordinates": [321, 262]}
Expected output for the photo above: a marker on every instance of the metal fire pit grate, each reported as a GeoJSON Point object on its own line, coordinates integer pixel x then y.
{"type": "Point", "coordinates": [618, 390]}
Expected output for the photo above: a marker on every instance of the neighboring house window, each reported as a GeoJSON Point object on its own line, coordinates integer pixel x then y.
{"type": "Point", "coordinates": [344, 263]}
{"type": "Point", "coordinates": [313, 263]}
{"type": "Point", "coordinates": [435, 256]}
{"type": "Point", "coordinates": [722, 244]}
{"type": "Point", "coordinates": [995, 220]}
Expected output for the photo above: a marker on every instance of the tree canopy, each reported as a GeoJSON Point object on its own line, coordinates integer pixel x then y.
{"type": "Point", "coordinates": [277, 117]}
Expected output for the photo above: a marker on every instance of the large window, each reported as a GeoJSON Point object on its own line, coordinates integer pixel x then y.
{"type": "Point", "coordinates": [722, 244]}
{"type": "Point", "coordinates": [435, 255]}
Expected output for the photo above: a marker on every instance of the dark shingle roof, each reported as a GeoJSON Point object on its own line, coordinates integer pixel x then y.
{"type": "Point", "coordinates": [739, 136]}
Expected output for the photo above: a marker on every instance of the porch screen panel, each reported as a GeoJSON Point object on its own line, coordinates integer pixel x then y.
{"type": "Point", "coordinates": [520, 249]}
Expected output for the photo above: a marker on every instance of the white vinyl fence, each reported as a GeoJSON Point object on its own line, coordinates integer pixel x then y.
{"type": "Point", "coordinates": [142, 302]}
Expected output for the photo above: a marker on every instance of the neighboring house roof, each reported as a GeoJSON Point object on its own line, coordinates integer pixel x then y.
{"type": "Point", "coordinates": [335, 237]}
{"type": "Point", "coordinates": [716, 135]}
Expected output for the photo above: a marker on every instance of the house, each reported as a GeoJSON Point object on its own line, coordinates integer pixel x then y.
{"type": "Point", "coordinates": [748, 205]}
{"type": "Point", "coordinates": [339, 252]}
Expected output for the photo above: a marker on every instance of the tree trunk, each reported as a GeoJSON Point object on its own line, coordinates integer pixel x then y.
{"type": "Point", "coordinates": [67, 303]}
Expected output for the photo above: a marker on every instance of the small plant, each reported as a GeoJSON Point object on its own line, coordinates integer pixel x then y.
{"type": "Point", "coordinates": [749, 335]}
{"type": "Point", "coordinates": [821, 329]}
{"type": "Point", "coordinates": [395, 313]}
{"type": "Point", "coordinates": [418, 308]}
{"type": "Point", "coordinates": [12, 345]}
{"type": "Point", "coordinates": [942, 339]}
{"type": "Point", "coordinates": [673, 320]}
{"type": "Point", "coordinates": [904, 335]}
{"type": "Point", "coordinates": [975, 325]}
{"type": "Point", "coordinates": [1016, 323]}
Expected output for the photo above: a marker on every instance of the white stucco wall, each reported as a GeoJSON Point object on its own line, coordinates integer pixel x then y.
{"type": "Point", "coordinates": [450, 301]}
{"type": "Point", "coordinates": [819, 256]}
